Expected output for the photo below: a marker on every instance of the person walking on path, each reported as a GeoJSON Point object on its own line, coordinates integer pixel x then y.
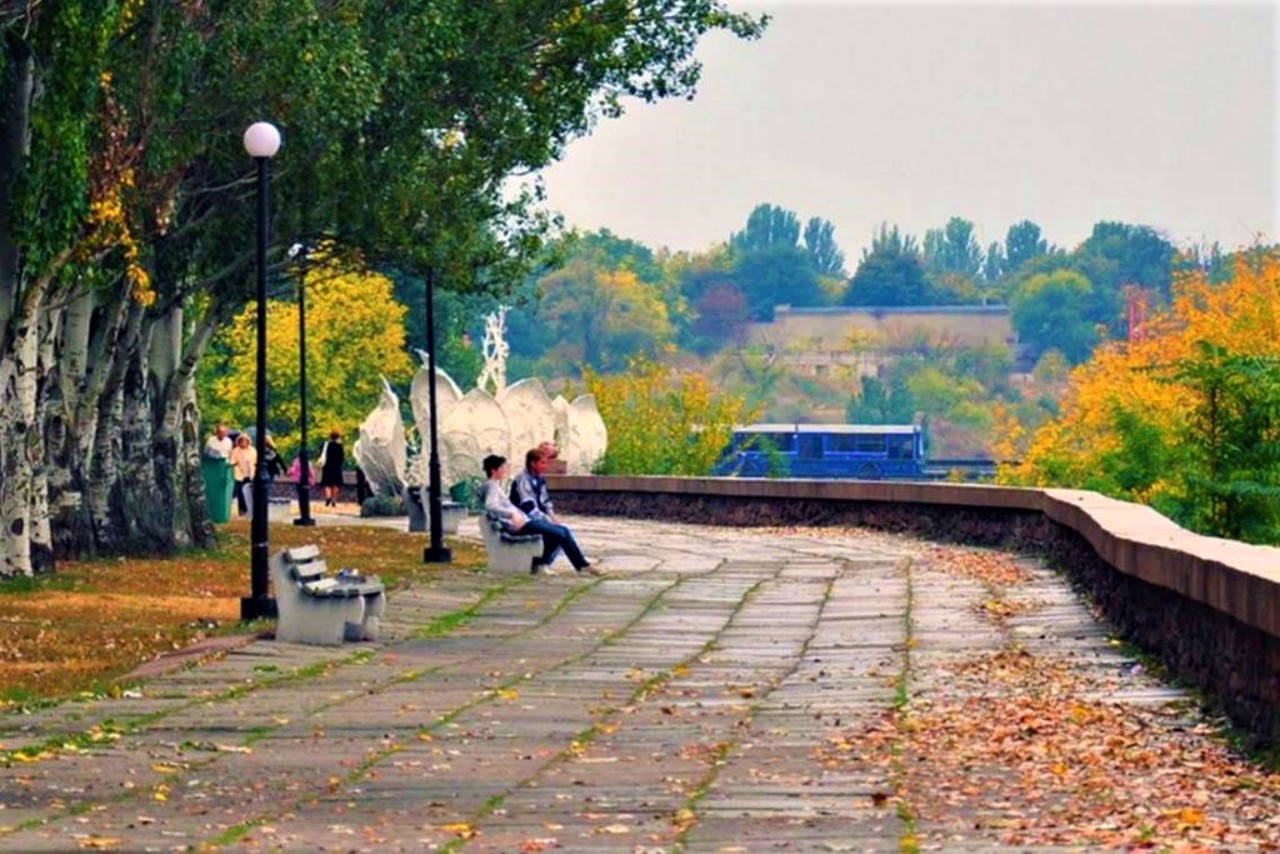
{"type": "Point", "coordinates": [554, 535]}
{"type": "Point", "coordinates": [244, 461]}
{"type": "Point", "coordinates": [332, 459]}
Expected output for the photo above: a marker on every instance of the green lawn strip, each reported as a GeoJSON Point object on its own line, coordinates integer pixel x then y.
{"type": "Point", "coordinates": [236, 832]}
{"type": "Point", "coordinates": [686, 818]}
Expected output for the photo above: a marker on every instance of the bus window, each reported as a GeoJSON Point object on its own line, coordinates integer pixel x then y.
{"type": "Point", "coordinates": [842, 443]}
{"type": "Point", "coordinates": [810, 447]}
{"type": "Point", "coordinates": [870, 444]}
{"type": "Point", "coordinates": [901, 448]}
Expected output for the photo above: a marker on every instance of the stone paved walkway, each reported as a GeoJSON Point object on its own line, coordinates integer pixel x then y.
{"type": "Point", "coordinates": [718, 690]}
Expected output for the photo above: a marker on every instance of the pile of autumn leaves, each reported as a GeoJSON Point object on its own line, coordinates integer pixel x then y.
{"type": "Point", "coordinates": [1028, 748]}
{"type": "Point", "coordinates": [1186, 418]}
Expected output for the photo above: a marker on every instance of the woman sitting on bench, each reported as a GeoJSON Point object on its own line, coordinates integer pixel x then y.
{"type": "Point", "coordinates": [554, 537]}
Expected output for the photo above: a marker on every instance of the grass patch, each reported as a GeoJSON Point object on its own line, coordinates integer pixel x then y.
{"type": "Point", "coordinates": [82, 628]}
{"type": "Point", "coordinates": [446, 623]}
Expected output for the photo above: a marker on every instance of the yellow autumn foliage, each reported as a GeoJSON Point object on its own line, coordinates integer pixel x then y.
{"type": "Point", "coordinates": [664, 422]}
{"type": "Point", "coordinates": [355, 336]}
{"type": "Point", "coordinates": [1130, 383]}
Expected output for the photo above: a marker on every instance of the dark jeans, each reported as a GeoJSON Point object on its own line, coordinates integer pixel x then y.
{"type": "Point", "coordinates": [554, 538]}
{"type": "Point", "coordinates": [244, 492]}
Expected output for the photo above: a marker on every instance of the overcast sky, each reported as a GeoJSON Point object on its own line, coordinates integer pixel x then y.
{"type": "Point", "coordinates": [1162, 114]}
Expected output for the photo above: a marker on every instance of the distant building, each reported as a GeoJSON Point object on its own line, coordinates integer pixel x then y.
{"type": "Point", "coordinates": [812, 341]}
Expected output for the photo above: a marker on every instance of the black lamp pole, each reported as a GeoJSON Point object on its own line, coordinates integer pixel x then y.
{"type": "Point", "coordinates": [261, 141]}
{"type": "Point", "coordinates": [304, 464]}
{"type": "Point", "coordinates": [436, 552]}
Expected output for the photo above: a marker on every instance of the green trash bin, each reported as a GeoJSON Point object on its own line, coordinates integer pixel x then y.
{"type": "Point", "coordinates": [217, 488]}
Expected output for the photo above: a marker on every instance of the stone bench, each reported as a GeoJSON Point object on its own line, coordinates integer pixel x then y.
{"type": "Point", "coordinates": [317, 608]}
{"type": "Point", "coordinates": [507, 550]}
{"type": "Point", "coordinates": [451, 512]}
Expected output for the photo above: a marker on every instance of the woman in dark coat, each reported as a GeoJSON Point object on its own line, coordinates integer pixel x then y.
{"type": "Point", "coordinates": [331, 469]}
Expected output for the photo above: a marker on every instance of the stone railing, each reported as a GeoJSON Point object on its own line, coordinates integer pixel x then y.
{"type": "Point", "coordinates": [1208, 608]}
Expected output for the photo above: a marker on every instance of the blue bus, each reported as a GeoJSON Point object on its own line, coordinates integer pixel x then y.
{"type": "Point", "coordinates": [866, 451]}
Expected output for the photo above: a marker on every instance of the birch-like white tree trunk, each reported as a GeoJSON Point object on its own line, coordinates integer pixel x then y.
{"type": "Point", "coordinates": [45, 476]}
{"type": "Point", "coordinates": [102, 480]}
{"type": "Point", "coordinates": [178, 442]}
{"type": "Point", "coordinates": [17, 330]}
{"type": "Point", "coordinates": [68, 443]}
{"type": "Point", "coordinates": [19, 437]}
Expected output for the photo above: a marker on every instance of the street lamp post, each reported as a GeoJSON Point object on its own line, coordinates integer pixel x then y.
{"type": "Point", "coordinates": [304, 463]}
{"type": "Point", "coordinates": [261, 141]}
{"type": "Point", "coordinates": [437, 552]}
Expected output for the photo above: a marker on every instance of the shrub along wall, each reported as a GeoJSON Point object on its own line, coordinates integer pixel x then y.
{"type": "Point", "coordinates": [1208, 608]}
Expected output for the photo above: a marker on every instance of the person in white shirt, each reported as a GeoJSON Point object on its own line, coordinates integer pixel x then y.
{"type": "Point", "coordinates": [219, 444]}
{"type": "Point", "coordinates": [554, 536]}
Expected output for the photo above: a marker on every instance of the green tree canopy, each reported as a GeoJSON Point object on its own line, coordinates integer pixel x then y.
{"type": "Point", "coordinates": [1022, 243]}
{"type": "Point", "coordinates": [601, 318]}
{"type": "Point", "coordinates": [953, 249]}
{"type": "Point", "coordinates": [1049, 311]}
{"type": "Point", "coordinates": [890, 273]}
{"type": "Point", "coordinates": [874, 404]}
{"type": "Point", "coordinates": [782, 275]}
{"type": "Point", "coordinates": [820, 243]}
{"type": "Point", "coordinates": [768, 228]}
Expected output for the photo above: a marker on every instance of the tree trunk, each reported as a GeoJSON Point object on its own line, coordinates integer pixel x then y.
{"type": "Point", "coordinates": [110, 530]}
{"type": "Point", "coordinates": [17, 334]}
{"type": "Point", "coordinates": [69, 440]}
{"type": "Point", "coordinates": [177, 439]}
{"type": "Point", "coordinates": [144, 499]}
{"type": "Point", "coordinates": [44, 476]}
{"type": "Point", "coordinates": [166, 344]}
{"type": "Point", "coordinates": [19, 437]}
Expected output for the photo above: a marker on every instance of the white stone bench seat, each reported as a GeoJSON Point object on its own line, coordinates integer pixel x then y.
{"type": "Point", "coordinates": [507, 550]}
{"type": "Point", "coordinates": [318, 608]}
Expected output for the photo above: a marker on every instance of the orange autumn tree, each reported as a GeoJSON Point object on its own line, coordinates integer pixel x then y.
{"type": "Point", "coordinates": [1186, 419]}
{"type": "Point", "coordinates": [663, 422]}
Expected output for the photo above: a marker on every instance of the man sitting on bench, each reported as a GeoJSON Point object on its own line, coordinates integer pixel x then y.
{"type": "Point", "coordinates": [554, 536]}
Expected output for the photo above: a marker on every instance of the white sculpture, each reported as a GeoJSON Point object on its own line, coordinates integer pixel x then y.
{"type": "Point", "coordinates": [495, 352]}
{"type": "Point", "coordinates": [523, 416]}
{"type": "Point", "coordinates": [476, 428]}
{"type": "Point", "coordinates": [381, 451]}
{"type": "Point", "coordinates": [585, 438]}
{"type": "Point", "coordinates": [530, 415]}
{"type": "Point", "coordinates": [447, 395]}
{"type": "Point", "coordinates": [508, 422]}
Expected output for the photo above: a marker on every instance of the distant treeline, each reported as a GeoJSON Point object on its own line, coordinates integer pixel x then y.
{"type": "Point", "coordinates": [609, 299]}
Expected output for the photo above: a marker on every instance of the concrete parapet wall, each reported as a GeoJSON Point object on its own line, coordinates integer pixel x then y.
{"type": "Point", "coordinates": [1208, 607]}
